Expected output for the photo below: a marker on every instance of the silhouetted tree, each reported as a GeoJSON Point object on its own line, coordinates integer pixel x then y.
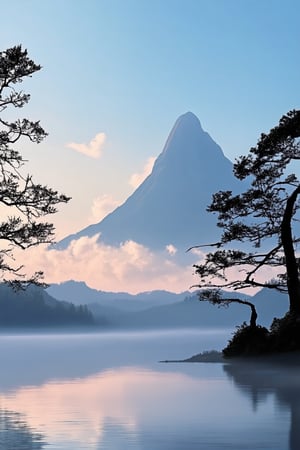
{"type": "Point", "coordinates": [16, 432]}
{"type": "Point", "coordinates": [216, 297]}
{"type": "Point", "coordinates": [22, 200]}
{"type": "Point", "coordinates": [261, 218]}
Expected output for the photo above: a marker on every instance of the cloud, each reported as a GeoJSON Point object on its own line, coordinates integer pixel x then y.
{"type": "Point", "coordinates": [137, 178]}
{"type": "Point", "coordinates": [171, 249]}
{"type": "Point", "coordinates": [93, 149]}
{"type": "Point", "coordinates": [129, 267]}
{"type": "Point", "coordinates": [103, 205]}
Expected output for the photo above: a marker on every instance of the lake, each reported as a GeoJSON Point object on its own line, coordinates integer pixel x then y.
{"type": "Point", "coordinates": [110, 392]}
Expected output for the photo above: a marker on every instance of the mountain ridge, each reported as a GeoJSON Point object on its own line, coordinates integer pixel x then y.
{"type": "Point", "coordinates": [163, 309]}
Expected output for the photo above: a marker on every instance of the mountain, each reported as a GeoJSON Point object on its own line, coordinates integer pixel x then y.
{"type": "Point", "coordinates": [162, 309]}
{"type": "Point", "coordinates": [147, 310]}
{"type": "Point", "coordinates": [35, 308]}
{"type": "Point", "coordinates": [270, 303]}
{"type": "Point", "coordinates": [190, 313]}
{"type": "Point", "coordinates": [79, 293]}
{"type": "Point", "coordinates": [169, 207]}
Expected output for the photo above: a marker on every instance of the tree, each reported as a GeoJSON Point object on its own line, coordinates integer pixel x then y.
{"type": "Point", "coordinates": [216, 297]}
{"type": "Point", "coordinates": [261, 219]}
{"type": "Point", "coordinates": [22, 200]}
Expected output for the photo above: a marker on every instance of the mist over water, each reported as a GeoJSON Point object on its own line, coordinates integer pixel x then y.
{"type": "Point", "coordinates": [109, 391]}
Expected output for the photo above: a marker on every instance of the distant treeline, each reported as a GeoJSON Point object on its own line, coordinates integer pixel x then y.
{"type": "Point", "coordinates": [35, 308]}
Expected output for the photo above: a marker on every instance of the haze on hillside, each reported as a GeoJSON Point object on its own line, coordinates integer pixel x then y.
{"type": "Point", "coordinates": [166, 310]}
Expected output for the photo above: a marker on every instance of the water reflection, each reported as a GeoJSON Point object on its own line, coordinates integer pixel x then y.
{"type": "Point", "coordinates": [15, 434]}
{"type": "Point", "coordinates": [116, 435]}
{"type": "Point", "coordinates": [259, 380]}
{"type": "Point", "coordinates": [36, 359]}
{"type": "Point", "coordinates": [109, 392]}
{"type": "Point", "coordinates": [140, 409]}
{"type": "Point", "coordinates": [118, 408]}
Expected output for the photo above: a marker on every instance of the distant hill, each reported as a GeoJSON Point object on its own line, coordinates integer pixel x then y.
{"type": "Point", "coordinates": [190, 313]}
{"type": "Point", "coordinates": [79, 293]}
{"type": "Point", "coordinates": [270, 303]}
{"type": "Point", "coordinates": [37, 309]}
{"type": "Point", "coordinates": [161, 309]}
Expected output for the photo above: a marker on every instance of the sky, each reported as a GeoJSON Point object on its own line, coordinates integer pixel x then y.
{"type": "Point", "coordinates": [116, 74]}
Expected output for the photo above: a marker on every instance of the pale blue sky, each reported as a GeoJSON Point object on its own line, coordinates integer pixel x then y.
{"type": "Point", "coordinates": [129, 68]}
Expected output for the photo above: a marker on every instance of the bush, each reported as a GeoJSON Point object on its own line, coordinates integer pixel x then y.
{"type": "Point", "coordinates": [247, 341]}
{"type": "Point", "coordinates": [285, 334]}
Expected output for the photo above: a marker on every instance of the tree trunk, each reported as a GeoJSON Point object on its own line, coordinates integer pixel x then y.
{"type": "Point", "coordinates": [253, 316]}
{"type": "Point", "coordinates": [292, 271]}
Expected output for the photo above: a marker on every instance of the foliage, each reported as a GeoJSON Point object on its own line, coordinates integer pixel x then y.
{"type": "Point", "coordinates": [247, 341]}
{"type": "Point", "coordinates": [285, 334]}
{"type": "Point", "coordinates": [22, 200]}
{"type": "Point", "coordinates": [260, 218]}
{"type": "Point", "coordinates": [206, 356]}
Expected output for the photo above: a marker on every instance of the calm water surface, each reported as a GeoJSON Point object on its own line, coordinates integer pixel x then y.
{"type": "Point", "coordinates": [109, 392]}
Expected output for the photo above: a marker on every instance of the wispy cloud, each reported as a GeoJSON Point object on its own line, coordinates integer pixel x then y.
{"type": "Point", "coordinates": [93, 149]}
{"type": "Point", "coordinates": [137, 178]}
{"type": "Point", "coordinates": [103, 205]}
{"type": "Point", "coordinates": [171, 249]}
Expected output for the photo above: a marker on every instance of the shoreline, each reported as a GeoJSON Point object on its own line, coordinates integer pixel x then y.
{"type": "Point", "coordinates": [214, 356]}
